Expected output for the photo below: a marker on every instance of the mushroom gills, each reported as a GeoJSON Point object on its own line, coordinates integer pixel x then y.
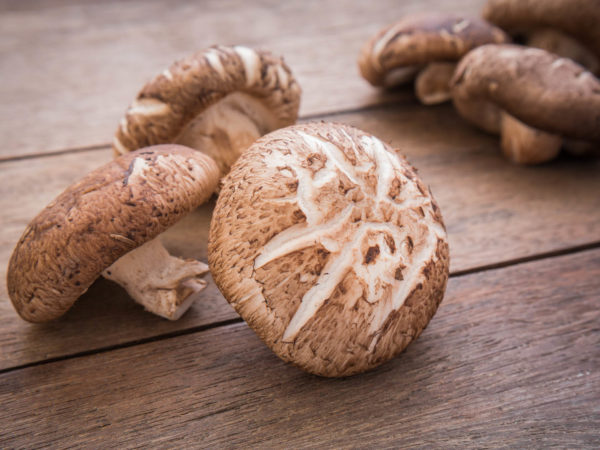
{"type": "Point", "coordinates": [523, 144]}
{"type": "Point", "coordinates": [432, 85]}
{"type": "Point", "coordinates": [227, 128]}
{"type": "Point", "coordinates": [165, 285]}
{"type": "Point", "coordinates": [564, 45]}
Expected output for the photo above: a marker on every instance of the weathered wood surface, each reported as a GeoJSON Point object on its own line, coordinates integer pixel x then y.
{"type": "Point", "coordinates": [69, 69]}
{"type": "Point", "coordinates": [511, 360]}
{"type": "Point", "coordinates": [494, 211]}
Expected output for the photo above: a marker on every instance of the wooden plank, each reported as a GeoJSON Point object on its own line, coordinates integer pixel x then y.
{"type": "Point", "coordinates": [494, 212]}
{"type": "Point", "coordinates": [510, 360]}
{"type": "Point", "coordinates": [69, 69]}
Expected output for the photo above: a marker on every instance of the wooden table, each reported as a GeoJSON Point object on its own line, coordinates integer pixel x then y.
{"type": "Point", "coordinates": [512, 357]}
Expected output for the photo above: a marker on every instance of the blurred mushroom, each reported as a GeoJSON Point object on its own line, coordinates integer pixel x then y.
{"type": "Point", "coordinates": [533, 99]}
{"type": "Point", "coordinates": [217, 101]}
{"type": "Point", "coordinates": [425, 46]}
{"type": "Point", "coordinates": [569, 28]}
{"type": "Point", "coordinates": [331, 248]}
{"type": "Point", "coordinates": [108, 223]}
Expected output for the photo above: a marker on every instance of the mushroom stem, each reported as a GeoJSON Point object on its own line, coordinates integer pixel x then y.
{"type": "Point", "coordinates": [523, 144]}
{"type": "Point", "coordinates": [227, 128]}
{"type": "Point", "coordinates": [563, 45]}
{"type": "Point", "coordinates": [432, 85]}
{"type": "Point", "coordinates": [165, 285]}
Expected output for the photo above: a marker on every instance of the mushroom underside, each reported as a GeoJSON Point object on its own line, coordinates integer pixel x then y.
{"type": "Point", "coordinates": [224, 130]}
{"type": "Point", "coordinates": [164, 284]}
{"type": "Point", "coordinates": [432, 84]}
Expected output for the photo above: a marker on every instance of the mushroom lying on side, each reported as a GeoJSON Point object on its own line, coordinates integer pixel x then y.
{"type": "Point", "coordinates": [329, 245]}
{"type": "Point", "coordinates": [569, 28]}
{"type": "Point", "coordinates": [425, 46]}
{"type": "Point", "coordinates": [534, 99]}
{"type": "Point", "coordinates": [108, 223]}
{"type": "Point", "coordinates": [217, 101]}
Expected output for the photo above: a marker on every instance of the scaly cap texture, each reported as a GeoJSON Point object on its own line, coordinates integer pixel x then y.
{"type": "Point", "coordinates": [329, 245]}
{"type": "Point", "coordinates": [111, 211]}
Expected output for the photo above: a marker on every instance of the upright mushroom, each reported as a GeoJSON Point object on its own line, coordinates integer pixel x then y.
{"type": "Point", "coordinates": [217, 101]}
{"type": "Point", "coordinates": [534, 99]}
{"type": "Point", "coordinates": [569, 28]}
{"type": "Point", "coordinates": [108, 223]}
{"type": "Point", "coordinates": [425, 46]}
{"type": "Point", "coordinates": [330, 246]}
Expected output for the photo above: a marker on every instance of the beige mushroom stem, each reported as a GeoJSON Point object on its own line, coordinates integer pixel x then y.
{"type": "Point", "coordinates": [523, 144]}
{"type": "Point", "coordinates": [432, 85]}
{"type": "Point", "coordinates": [165, 285]}
{"type": "Point", "coordinates": [227, 128]}
{"type": "Point", "coordinates": [563, 45]}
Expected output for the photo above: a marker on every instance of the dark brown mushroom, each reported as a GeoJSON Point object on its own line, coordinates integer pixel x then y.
{"type": "Point", "coordinates": [569, 28]}
{"type": "Point", "coordinates": [425, 46]}
{"type": "Point", "coordinates": [533, 98]}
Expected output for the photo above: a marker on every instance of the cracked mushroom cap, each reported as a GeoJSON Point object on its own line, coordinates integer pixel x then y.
{"type": "Point", "coordinates": [579, 19]}
{"type": "Point", "coordinates": [111, 211]}
{"type": "Point", "coordinates": [217, 101]}
{"type": "Point", "coordinates": [420, 39]}
{"type": "Point", "coordinates": [331, 248]}
{"type": "Point", "coordinates": [540, 89]}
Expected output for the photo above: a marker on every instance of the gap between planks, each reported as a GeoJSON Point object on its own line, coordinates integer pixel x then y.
{"type": "Point", "coordinates": [224, 323]}
{"type": "Point", "coordinates": [305, 118]}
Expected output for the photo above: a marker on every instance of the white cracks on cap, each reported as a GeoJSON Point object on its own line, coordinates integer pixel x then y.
{"type": "Point", "coordinates": [123, 125]}
{"type": "Point", "coordinates": [167, 74]}
{"type": "Point", "coordinates": [148, 107]}
{"type": "Point", "coordinates": [214, 61]}
{"type": "Point", "coordinates": [299, 237]}
{"type": "Point", "coordinates": [251, 62]}
{"type": "Point", "coordinates": [165, 285]}
{"type": "Point", "coordinates": [378, 236]}
{"type": "Point", "coordinates": [284, 79]}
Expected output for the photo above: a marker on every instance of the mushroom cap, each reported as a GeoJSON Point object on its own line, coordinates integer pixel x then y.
{"type": "Point", "coordinates": [111, 211]}
{"type": "Point", "coordinates": [579, 18]}
{"type": "Point", "coordinates": [172, 100]}
{"type": "Point", "coordinates": [542, 90]}
{"type": "Point", "coordinates": [329, 245]}
{"type": "Point", "coordinates": [419, 39]}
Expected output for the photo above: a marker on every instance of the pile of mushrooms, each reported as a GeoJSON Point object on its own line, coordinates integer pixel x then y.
{"type": "Point", "coordinates": [216, 101]}
{"type": "Point", "coordinates": [538, 101]}
{"type": "Point", "coordinates": [324, 239]}
{"type": "Point", "coordinates": [426, 48]}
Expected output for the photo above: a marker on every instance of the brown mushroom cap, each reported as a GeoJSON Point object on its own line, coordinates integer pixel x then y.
{"type": "Point", "coordinates": [578, 18]}
{"type": "Point", "coordinates": [329, 245]}
{"type": "Point", "coordinates": [420, 39]}
{"type": "Point", "coordinates": [540, 89]}
{"type": "Point", "coordinates": [260, 87]}
{"type": "Point", "coordinates": [94, 222]}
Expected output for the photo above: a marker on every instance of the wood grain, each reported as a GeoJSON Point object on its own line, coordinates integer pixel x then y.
{"type": "Point", "coordinates": [494, 212]}
{"type": "Point", "coordinates": [69, 69]}
{"type": "Point", "coordinates": [511, 360]}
